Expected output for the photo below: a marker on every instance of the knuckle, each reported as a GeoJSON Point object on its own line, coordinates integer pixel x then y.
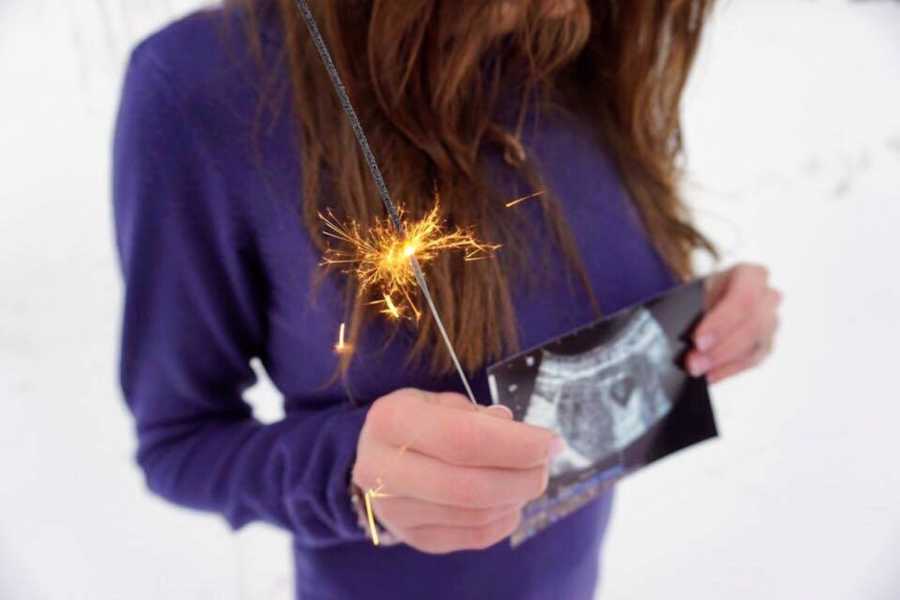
{"type": "Point", "coordinates": [488, 535]}
{"type": "Point", "coordinates": [463, 440]}
{"type": "Point", "coordinates": [386, 415]}
{"type": "Point", "coordinates": [745, 302]}
{"type": "Point", "coordinates": [487, 516]}
{"type": "Point", "coordinates": [741, 272]}
{"type": "Point", "coordinates": [754, 271]}
{"type": "Point", "coordinates": [382, 415]}
{"type": "Point", "coordinates": [483, 537]}
{"type": "Point", "coordinates": [720, 353]}
{"type": "Point", "coordinates": [536, 447]}
{"type": "Point", "coordinates": [751, 275]}
{"type": "Point", "coordinates": [759, 293]}
{"type": "Point", "coordinates": [470, 490]}
{"type": "Point", "coordinates": [471, 517]}
{"type": "Point", "coordinates": [364, 473]}
{"type": "Point", "coordinates": [483, 517]}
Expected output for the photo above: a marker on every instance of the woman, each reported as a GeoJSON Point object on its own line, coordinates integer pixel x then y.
{"type": "Point", "coordinates": [229, 142]}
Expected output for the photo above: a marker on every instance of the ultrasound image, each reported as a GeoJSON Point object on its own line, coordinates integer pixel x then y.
{"type": "Point", "coordinates": [603, 399]}
{"type": "Point", "coordinates": [616, 392]}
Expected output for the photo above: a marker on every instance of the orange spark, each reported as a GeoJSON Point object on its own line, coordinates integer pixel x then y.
{"type": "Point", "coordinates": [390, 308]}
{"type": "Point", "coordinates": [379, 256]}
{"type": "Point", "coordinates": [512, 203]}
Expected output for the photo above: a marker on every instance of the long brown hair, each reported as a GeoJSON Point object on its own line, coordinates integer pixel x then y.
{"type": "Point", "coordinates": [426, 77]}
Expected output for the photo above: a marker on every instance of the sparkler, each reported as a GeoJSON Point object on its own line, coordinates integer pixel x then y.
{"type": "Point", "coordinates": [379, 256]}
{"type": "Point", "coordinates": [389, 255]}
{"type": "Point", "coordinates": [372, 163]}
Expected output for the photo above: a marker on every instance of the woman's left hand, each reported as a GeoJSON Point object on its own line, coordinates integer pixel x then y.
{"type": "Point", "coordinates": [738, 330]}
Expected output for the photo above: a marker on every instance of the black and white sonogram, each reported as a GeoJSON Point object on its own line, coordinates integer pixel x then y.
{"type": "Point", "coordinates": [617, 393]}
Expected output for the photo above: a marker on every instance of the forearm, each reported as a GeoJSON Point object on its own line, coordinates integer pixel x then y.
{"type": "Point", "coordinates": [292, 473]}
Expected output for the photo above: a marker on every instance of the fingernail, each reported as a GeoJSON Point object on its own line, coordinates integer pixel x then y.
{"type": "Point", "coordinates": [705, 342]}
{"type": "Point", "coordinates": [556, 446]}
{"type": "Point", "coordinates": [698, 365]}
{"type": "Point", "coordinates": [500, 410]}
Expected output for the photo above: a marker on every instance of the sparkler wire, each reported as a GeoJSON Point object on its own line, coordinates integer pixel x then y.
{"type": "Point", "coordinates": [347, 106]}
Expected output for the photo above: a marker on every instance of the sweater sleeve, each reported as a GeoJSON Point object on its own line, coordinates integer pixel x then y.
{"type": "Point", "coordinates": [193, 317]}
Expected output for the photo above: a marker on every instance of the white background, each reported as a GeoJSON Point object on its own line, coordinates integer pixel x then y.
{"type": "Point", "coordinates": [793, 129]}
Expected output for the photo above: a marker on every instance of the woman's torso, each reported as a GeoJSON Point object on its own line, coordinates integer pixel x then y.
{"type": "Point", "coordinates": [219, 84]}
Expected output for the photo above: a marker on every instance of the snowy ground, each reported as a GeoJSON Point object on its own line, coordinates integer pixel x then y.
{"type": "Point", "coordinates": [793, 129]}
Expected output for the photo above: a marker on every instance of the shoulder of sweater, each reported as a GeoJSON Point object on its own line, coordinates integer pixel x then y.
{"type": "Point", "coordinates": [200, 52]}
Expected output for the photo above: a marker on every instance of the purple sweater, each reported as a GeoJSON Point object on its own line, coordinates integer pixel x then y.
{"type": "Point", "coordinates": [217, 270]}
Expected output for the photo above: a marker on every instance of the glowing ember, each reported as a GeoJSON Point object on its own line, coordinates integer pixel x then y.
{"type": "Point", "coordinates": [341, 345]}
{"type": "Point", "coordinates": [512, 203]}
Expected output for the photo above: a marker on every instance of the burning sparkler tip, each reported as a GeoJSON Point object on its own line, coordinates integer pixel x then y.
{"type": "Point", "coordinates": [380, 257]}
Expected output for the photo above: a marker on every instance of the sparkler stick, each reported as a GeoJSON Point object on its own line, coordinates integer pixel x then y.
{"type": "Point", "coordinates": [389, 205]}
{"type": "Point", "coordinates": [370, 514]}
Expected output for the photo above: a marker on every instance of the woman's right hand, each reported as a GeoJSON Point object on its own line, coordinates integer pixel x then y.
{"type": "Point", "coordinates": [454, 477]}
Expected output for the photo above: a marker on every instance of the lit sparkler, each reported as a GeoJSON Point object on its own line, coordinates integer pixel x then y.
{"type": "Point", "coordinates": [344, 98]}
{"type": "Point", "coordinates": [379, 256]}
{"type": "Point", "coordinates": [389, 256]}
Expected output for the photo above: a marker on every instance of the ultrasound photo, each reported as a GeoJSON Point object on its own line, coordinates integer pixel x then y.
{"type": "Point", "coordinates": [616, 391]}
